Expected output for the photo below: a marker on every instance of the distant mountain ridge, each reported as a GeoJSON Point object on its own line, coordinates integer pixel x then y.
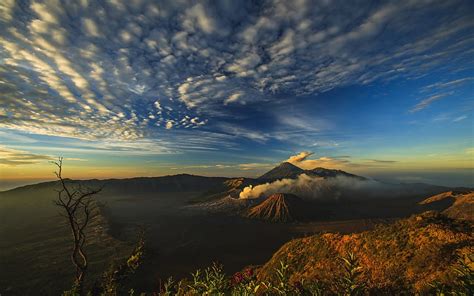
{"type": "Point", "coordinates": [170, 183]}
{"type": "Point", "coordinates": [291, 171]}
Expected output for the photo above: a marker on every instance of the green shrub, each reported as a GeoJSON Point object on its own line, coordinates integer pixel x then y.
{"type": "Point", "coordinates": [212, 281]}
{"type": "Point", "coordinates": [349, 283]}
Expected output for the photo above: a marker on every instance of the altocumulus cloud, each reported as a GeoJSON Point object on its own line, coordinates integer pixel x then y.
{"type": "Point", "coordinates": [128, 70]}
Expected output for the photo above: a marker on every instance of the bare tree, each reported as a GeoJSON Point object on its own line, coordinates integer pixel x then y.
{"type": "Point", "coordinates": [76, 204]}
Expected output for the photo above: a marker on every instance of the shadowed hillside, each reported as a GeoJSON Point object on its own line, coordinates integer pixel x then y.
{"type": "Point", "coordinates": [36, 241]}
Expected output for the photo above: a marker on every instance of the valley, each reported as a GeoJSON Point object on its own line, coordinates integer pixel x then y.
{"type": "Point", "coordinates": [182, 235]}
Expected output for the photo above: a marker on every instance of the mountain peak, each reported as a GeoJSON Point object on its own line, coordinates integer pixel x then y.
{"type": "Point", "coordinates": [289, 170]}
{"type": "Point", "coordinates": [287, 164]}
{"type": "Point", "coordinates": [283, 170]}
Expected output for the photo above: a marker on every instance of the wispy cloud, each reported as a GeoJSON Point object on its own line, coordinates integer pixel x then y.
{"type": "Point", "coordinates": [13, 157]}
{"type": "Point", "coordinates": [304, 161]}
{"type": "Point", "coordinates": [381, 161]}
{"type": "Point", "coordinates": [240, 166]}
{"type": "Point", "coordinates": [428, 101]}
{"type": "Point", "coordinates": [459, 118]}
{"type": "Point", "coordinates": [448, 84]}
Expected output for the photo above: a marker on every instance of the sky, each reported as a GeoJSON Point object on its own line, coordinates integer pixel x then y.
{"type": "Point", "coordinates": [383, 89]}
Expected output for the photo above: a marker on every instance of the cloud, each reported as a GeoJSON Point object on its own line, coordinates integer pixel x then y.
{"type": "Point", "coordinates": [381, 161]}
{"type": "Point", "coordinates": [448, 84]}
{"type": "Point", "coordinates": [298, 121]}
{"type": "Point", "coordinates": [233, 98]}
{"type": "Point", "coordinates": [240, 133]}
{"type": "Point", "coordinates": [428, 101]}
{"type": "Point", "coordinates": [169, 124]}
{"type": "Point", "coordinates": [127, 71]}
{"type": "Point", "coordinates": [90, 27]}
{"type": "Point", "coordinates": [299, 157]}
{"type": "Point", "coordinates": [301, 160]}
{"type": "Point", "coordinates": [339, 162]}
{"type": "Point", "coordinates": [13, 157]}
{"type": "Point", "coordinates": [6, 10]}
{"type": "Point", "coordinates": [240, 167]}
{"type": "Point", "coordinates": [198, 14]}
{"type": "Point", "coordinates": [460, 118]}
{"type": "Point", "coordinates": [254, 166]}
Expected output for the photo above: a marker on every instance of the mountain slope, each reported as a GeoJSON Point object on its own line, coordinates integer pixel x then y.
{"type": "Point", "coordinates": [409, 254]}
{"type": "Point", "coordinates": [461, 204]}
{"type": "Point", "coordinates": [278, 207]}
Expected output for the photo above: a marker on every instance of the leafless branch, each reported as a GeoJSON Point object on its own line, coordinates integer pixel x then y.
{"type": "Point", "coordinates": [76, 204]}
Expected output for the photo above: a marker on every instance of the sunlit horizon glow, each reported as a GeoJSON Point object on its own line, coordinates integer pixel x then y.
{"type": "Point", "coordinates": [232, 88]}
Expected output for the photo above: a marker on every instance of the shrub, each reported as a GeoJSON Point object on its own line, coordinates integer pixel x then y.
{"type": "Point", "coordinates": [212, 281]}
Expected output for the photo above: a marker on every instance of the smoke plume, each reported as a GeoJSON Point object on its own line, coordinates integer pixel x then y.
{"type": "Point", "coordinates": [303, 161]}
{"type": "Point", "coordinates": [308, 187]}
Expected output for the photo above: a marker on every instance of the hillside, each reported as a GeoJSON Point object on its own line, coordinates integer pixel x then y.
{"type": "Point", "coordinates": [461, 204]}
{"type": "Point", "coordinates": [278, 207]}
{"type": "Point", "coordinates": [407, 255]}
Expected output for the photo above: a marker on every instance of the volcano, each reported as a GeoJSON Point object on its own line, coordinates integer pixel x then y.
{"type": "Point", "coordinates": [290, 171]}
{"type": "Point", "coordinates": [284, 170]}
{"type": "Point", "coordinates": [279, 207]}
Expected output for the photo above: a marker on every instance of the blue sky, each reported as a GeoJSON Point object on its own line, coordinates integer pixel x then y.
{"type": "Point", "coordinates": [127, 88]}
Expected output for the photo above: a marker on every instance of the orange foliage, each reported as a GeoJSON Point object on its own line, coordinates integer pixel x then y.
{"type": "Point", "coordinates": [408, 254]}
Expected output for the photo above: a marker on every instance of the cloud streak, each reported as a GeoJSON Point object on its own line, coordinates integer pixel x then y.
{"type": "Point", "coordinates": [425, 103]}
{"type": "Point", "coordinates": [13, 157]}
{"type": "Point", "coordinates": [302, 160]}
